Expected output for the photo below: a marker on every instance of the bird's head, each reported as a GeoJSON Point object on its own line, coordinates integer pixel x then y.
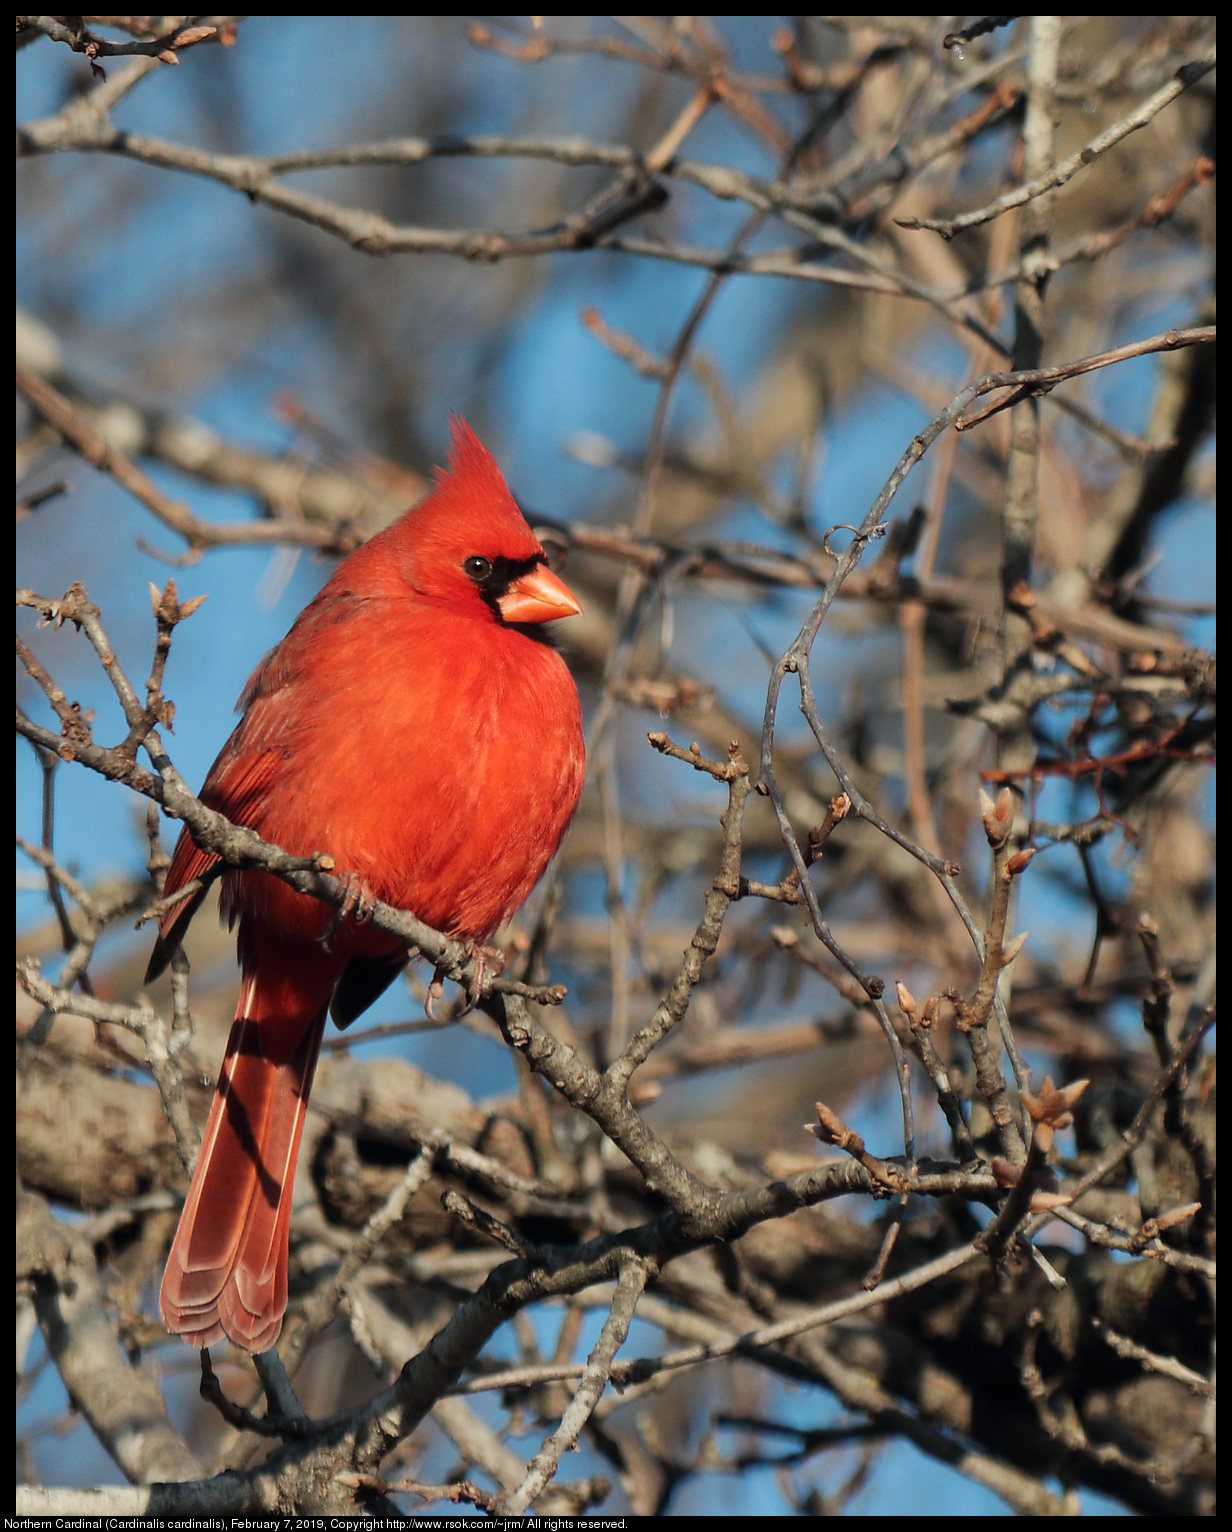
{"type": "Point", "coordinates": [468, 546]}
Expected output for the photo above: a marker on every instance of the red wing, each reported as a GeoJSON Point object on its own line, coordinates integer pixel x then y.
{"type": "Point", "coordinates": [237, 782]}
{"type": "Point", "coordinates": [241, 779]}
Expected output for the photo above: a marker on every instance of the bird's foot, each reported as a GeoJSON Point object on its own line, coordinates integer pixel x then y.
{"type": "Point", "coordinates": [486, 960]}
{"type": "Point", "coordinates": [357, 902]}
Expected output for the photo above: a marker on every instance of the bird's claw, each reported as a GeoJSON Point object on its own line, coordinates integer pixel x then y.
{"type": "Point", "coordinates": [485, 960]}
{"type": "Point", "coordinates": [357, 902]}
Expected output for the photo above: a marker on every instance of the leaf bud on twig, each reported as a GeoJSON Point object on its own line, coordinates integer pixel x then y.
{"type": "Point", "coordinates": [831, 1129]}
{"type": "Point", "coordinates": [1015, 947]}
{"type": "Point", "coordinates": [1053, 1106]}
{"type": "Point", "coordinates": [998, 817]}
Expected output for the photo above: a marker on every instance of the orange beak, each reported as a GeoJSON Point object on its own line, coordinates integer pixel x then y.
{"type": "Point", "coordinates": [538, 596]}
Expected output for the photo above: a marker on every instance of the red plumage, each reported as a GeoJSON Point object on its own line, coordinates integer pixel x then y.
{"type": "Point", "coordinates": [412, 725]}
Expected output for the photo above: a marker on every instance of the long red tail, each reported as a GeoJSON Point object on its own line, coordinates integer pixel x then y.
{"type": "Point", "coordinates": [227, 1271]}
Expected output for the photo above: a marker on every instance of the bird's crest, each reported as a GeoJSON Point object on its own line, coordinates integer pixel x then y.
{"type": "Point", "coordinates": [472, 468]}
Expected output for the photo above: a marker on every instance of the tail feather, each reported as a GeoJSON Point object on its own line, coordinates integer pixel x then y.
{"type": "Point", "coordinates": [227, 1270]}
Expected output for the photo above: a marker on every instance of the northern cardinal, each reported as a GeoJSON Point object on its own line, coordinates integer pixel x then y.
{"type": "Point", "coordinates": [414, 725]}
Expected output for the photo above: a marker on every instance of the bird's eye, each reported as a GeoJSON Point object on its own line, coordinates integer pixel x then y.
{"type": "Point", "coordinates": [477, 568]}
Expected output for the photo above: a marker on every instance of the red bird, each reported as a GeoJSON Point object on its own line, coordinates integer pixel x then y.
{"type": "Point", "coordinates": [414, 725]}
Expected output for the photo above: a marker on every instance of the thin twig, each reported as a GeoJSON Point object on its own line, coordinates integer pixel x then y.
{"type": "Point", "coordinates": [595, 1375]}
{"type": "Point", "coordinates": [319, 1308]}
{"type": "Point", "coordinates": [1067, 169]}
{"type": "Point", "coordinates": [1168, 1366]}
